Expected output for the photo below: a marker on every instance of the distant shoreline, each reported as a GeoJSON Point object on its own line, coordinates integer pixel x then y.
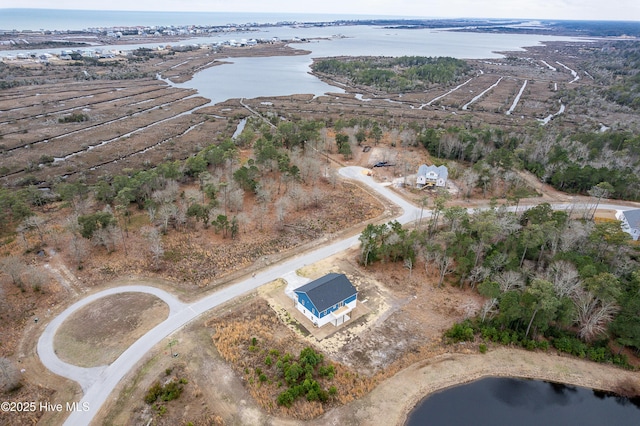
{"type": "Point", "coordinates": [16, 22]}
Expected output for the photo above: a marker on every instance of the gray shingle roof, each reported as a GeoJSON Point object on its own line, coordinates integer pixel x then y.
{"type": "Point", "coordinates": [328, 290]}
{"type": "Point", "coordinates": [441, 171]}
{"type": "Point", "coordinates": [633, 217]}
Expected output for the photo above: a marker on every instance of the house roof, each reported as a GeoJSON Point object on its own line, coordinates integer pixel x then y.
{"type": "Point", "coordinates": [328, 290]}
{"type": "Point", "coordinates": [441, 171]}
{"type": "Point", "coordinates": [632, 217]}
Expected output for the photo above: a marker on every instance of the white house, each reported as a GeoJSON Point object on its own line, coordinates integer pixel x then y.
{"type": "Point", "coordinates": [328, 299]}
{"type": "Point", "coordinates": [432, 176]}
{"type": "Point", "coordinates": [630, 222]}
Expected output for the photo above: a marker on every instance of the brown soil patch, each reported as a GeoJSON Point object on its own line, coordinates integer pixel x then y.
{"type": "Point", "coordinates": [395, 347]}
{"type": "Point", "coordinates": [98, 333]}
{"type": "Point", "coordinates": [214, 391]}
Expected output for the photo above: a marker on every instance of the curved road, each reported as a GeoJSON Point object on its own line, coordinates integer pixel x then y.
{"type": "Point", "coordinates": [97, 383]}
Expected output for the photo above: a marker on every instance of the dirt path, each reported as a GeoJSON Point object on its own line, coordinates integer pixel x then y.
{"type": "Point", "coordinates": [63, 275]}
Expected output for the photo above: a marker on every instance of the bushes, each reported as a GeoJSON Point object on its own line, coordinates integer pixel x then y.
{"type": "Point", "coordinates": [597, 352]}
{"type": "Point", "coordinates": [300, 376]}
{"type": "Point", "coordinates": [570, 345]}
{"type": "Point", "coordinates": [74, 118]}
{"type": "Point", "coordinates": [167, 392]}
{"type": "Point", "coordinates": [460, 332]}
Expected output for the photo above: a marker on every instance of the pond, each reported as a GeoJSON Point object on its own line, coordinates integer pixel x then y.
{"type": "Point", "coordinates": [508, 401]}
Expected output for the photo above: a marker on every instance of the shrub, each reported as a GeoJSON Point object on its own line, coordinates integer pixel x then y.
{"type": "Point", "coordinates": [571, 345]}
{"type": "Point", "coordinates": [167, 392]}
{"type": "Point", "coordinates": [460, 332]}
{"type": "Point", "coordinates": [153, 393]}
{"type": "Point", "coordinates": [544, 345]}
{"type": "Point", "coordinates": [73, 118]}
{"type": "Point", "coordinates": [597, 354]}
{"type": "Point", "coordinates": [489, 333]}
{"type": "Point", "coordinates": [482, 348]}
{"type": "Point", "coordinates": [286, 398]}
{"type": "Point", "coordinates": [46, 159]}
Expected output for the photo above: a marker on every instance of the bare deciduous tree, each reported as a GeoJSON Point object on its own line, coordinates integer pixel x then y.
{"type": "Point", "coordinates": [574, 234]}
{"type": "Point", "coordinates": [564, 277]}
{"type": "Point", "coordinates": [316, 196]}
{"type": "Point", "coordinates": [282, 206]}
{"type": "Point", "coordinates": [478, 248]}
{"type": "Point", "coordinates": [9, 376]}
{"type": "Point", "coordinates": [193, 195]}
{"type": "Point", "coordinates": [295, 194]}
{"type": "Point", "coordinates": [470, 309]}
{"type": "Point", "coordinates": [34, 223]}
{"type": "Point", "coordinates": [37, 278]}
{"type": "Point", "coordinates": [155, 244]}
{"type": "Point", "coordinates": [165, 214]}
{"type": "Point", "coordinates": [477, 275]}
{"type": "Point", "coordinates": [444, 264]}
{"type": "Point", "coordinates": [258, 214]}
{"type": "Point", "coordinates": [497, 261]}
{"type": "Point", "coordinates": [167, 195]}
{"type": "Point", "coordinates": [236, 199]}
{"type": "Point", "coordinates": [592, 315]}
{"type": "Point", "coordinates": [14, 267]}
{"type": "Point", "coordinates": [408, 263]}
{"type": "Point", "coordinates": [488, 309]}
{"type": "Point", "coordinates": [105, 237]}
{"type": "Point", "coordinates": [510, 280]}
{"type": "Point", "coordinates": [79, 247]}
{"type": "Point", "coordinates": [470, 180]}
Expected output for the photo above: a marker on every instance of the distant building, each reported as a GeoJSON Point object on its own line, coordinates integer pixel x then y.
{"type": "Point", "coordinates": [432, 176]}
{"type": "Point", "coordinates": [328, 299]}
{"type": "Point", "coordinates": [630, 222]}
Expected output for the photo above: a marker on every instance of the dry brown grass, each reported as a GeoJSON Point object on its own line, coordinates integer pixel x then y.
{"type": "Point", "coordinates": [233, 340]}
{"type": "Point", "coordinates": [98, 333]}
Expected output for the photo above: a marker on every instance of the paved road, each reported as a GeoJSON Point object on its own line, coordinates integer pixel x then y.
{"type": "Point", "coordinates": [98, 383]}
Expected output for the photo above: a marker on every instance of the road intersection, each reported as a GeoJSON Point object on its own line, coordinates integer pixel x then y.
{"type": "Point", "coordinates": [98, 383]}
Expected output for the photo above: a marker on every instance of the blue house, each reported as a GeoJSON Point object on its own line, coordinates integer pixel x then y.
{"type": "Point", "coordinates": [328, 299]}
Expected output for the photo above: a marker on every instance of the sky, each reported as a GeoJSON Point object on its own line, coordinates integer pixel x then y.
{"type": "Point", "coordinates": [626, 10]}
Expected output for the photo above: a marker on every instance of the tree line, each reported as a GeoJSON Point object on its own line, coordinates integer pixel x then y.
{"type": "Point", "coordinates": [546, 277]}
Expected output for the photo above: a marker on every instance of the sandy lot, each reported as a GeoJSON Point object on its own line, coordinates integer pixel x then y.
{"type": "Point", "coordinates": [396, 344]}
{"type": "Point", "coordinates": [98, 333]}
